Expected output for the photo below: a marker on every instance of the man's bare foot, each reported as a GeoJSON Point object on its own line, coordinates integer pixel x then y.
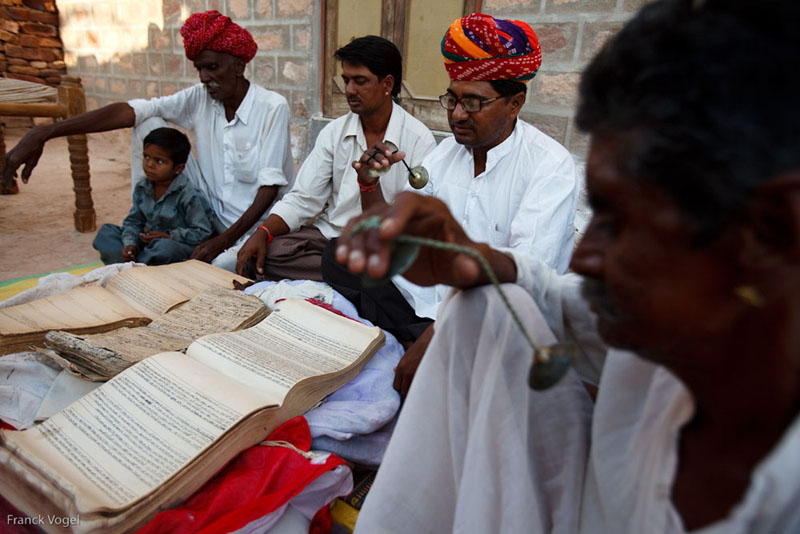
{"type": "Point", "coordinates": [9, 188]}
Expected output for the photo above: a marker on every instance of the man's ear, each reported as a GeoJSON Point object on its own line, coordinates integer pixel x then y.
{"type": "Point", "coordinates": [240, 65]}
{"type": "Point", "coordinates": [388, 83]}
{"type": "Point", "coordinates": [516, 102]}
{"type": "Point", "coordinates": [177, 169]}
{"type": "Point", "coordinates": [774, 216]}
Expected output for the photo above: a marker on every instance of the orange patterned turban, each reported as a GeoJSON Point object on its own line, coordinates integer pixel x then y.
{"type": "Point", "coordinates": [214, 31]}
{"type": "Point", "coordinates": [481, 47]}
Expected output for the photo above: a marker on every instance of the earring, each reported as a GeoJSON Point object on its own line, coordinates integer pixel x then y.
{"type": "Point", "coordinates": [386, 93]}
{"type": "Point", "coordinates": [750, 295]}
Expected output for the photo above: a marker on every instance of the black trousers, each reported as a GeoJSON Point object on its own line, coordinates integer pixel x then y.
{"type": "Point", "coordinates": [384, 305]}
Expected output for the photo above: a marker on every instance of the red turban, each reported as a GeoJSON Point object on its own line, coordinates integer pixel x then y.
{"type": "Point", "coordinates": [214, 31]}
{"type": "Point", "coordinates": [481, 47]}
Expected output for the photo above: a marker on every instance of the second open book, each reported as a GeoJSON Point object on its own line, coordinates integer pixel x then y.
{"type": "Point", "coordinates": [133, 297]}
{"type": "Point", "coordinates": [152, 435]}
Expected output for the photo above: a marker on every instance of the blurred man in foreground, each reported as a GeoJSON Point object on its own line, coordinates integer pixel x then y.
{"type": "Point", "coordinates": [689, 269]}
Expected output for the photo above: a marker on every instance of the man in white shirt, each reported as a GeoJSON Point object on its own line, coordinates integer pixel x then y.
{"type": "Point", "coordinates": [242, 132]}
{"type": "Point", "coordinates": [690, 269]}
{"type": "Point", "coordinates": [506, 183]}
{"type": "Point", "coordinates": [328, 191]}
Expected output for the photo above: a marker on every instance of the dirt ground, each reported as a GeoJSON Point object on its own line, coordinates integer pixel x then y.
{"type": "Point", "coordinates": [37, 232]}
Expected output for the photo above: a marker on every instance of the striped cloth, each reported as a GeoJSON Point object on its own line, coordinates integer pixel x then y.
{"type": "Point", "coordinates": [481, 47]}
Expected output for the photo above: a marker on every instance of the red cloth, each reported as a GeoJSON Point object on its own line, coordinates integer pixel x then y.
{"type": "Point", "coordinates": [12, 521]}
{"type": "Point", "coordinates": [324, 306]}
{"type": "Point", "coordinates": [255, 483]}
{"type": "Point", "coordinates": [214, 31]}
{"type": "Point", "coordinates": [329, 307]}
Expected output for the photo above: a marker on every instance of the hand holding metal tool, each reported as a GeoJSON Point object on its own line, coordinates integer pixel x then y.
{"type": "Point", "coordinates": [550, 363]}
{"type": "Point", "coordinates": [417, 176]}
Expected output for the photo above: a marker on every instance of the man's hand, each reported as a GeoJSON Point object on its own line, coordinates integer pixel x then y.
{"type": "Point", "coordinates": [419, 215]}
{"type": "Point", "coordinates": [255, 246]}
{"type": "Point", "coordinates": [153, 234]}
{"type": "Point", "coordinates": [378, 156]}
{"type": "Point", "coordinates": [29, 149]}
{"type": "Point", "coordinates": [208, 250]}
{"type": "Point", "coordinates": [27, 152]}
{"type": "Point", "coordinates": [238, 286]}
{"type": "Point", "coordinates": [407, 366]}
{"type": "Point", "coordinates": [129, 253]}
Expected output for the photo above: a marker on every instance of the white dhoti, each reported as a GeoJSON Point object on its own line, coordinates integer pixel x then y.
{"type": "Point", "coordinates": [475, 449]}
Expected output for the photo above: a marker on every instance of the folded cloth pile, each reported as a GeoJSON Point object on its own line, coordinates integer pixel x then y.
{"type": "Point", "coordinates": [356, 421]}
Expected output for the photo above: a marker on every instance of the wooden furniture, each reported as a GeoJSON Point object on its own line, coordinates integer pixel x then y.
{"type": "Point", "coordinates": [19, 98]}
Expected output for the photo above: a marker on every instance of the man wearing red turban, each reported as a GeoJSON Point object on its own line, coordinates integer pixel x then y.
{"type": "Point", "coordinates": [213, 31]}
{"type": "Point", "coordinates": [507, 183]}
{"type": "Point", "coordinates": [244, 161]}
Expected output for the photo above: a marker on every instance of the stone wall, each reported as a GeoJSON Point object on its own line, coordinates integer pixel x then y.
{"type": "Point", "coordinates": [124, 49]}
{"type": "Point", "coordinates": [570, 32]}
{"type": "Point", "coordinates": [30, 47]}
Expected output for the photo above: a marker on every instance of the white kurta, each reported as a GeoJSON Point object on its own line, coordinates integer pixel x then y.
{"type": "Point", "coordinates": [524, 200]}
{"type": "Point", "coordinates": [463, 459]}
{"type": "Point", "coordinates": [328, 177]}
{"type": "Point", "coordinates": [636, 425]}
{"type": "Point", "coordinates": [466, 454]}
{"type": "Point", "coordinates": [235, 157]}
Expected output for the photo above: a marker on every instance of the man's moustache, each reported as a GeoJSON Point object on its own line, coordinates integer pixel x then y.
{"type": "Point", "coordinates": [596, 293]}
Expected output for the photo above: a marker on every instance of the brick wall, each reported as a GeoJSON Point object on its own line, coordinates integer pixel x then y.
{"type": "Point", "coordinates": [30, 47]}
{"type": "Point", "coordinates": [570, 32]}
{"type": "Point", "coordinates": [124, 49]}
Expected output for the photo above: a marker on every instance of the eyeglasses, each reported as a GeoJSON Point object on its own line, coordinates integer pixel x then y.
{"type": "Point", "coordinates": [470, 104]}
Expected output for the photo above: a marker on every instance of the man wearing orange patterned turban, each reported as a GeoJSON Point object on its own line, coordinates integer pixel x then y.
{"type": "Point", "coordinates": [507, 183]}
{"type": "Point", "coordinates": [480, 47]}
{"type": "Point", "coordinates": [244, 161]}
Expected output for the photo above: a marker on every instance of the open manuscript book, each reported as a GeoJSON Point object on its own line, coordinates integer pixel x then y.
{"type": "Point", "coordinates": [132, 297]}
{"type": "Point", "coordinates": [99, 357]}
{"type": "Point", "coordinates": [152, 435]}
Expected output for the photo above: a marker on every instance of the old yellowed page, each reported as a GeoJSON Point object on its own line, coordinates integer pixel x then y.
{"type": "Point", "coordinates": [212, 310]}
{"type": "Point", "coordinates": [81, 307]}
{"type": "Point", "coordinates": [298, 341]}
{"type": "Point", "coordinates": [126, 438]}
{"type": "Point", "coordinates": [154, 290]}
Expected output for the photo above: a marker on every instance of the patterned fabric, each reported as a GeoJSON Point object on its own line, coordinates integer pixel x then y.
{"type": "Point", "coordinates": [214, 31]}
{"type": "Point", "coordinates": [481, 47]}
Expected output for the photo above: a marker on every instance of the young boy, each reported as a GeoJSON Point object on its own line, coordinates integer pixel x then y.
{"type": "Point", "coordinates": [169, 216]}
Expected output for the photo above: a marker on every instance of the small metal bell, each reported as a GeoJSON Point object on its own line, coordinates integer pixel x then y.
{"type": "Point", "coordinates": [550, 364]}
{"type": "Point", "coordinates": [418, 177]}
{"type": "Point", "coordinates": [377, 173]}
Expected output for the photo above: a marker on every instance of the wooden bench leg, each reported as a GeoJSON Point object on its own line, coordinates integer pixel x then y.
{"type": "Point", "coordinates": [70, 94]}
{"type": "Point", "coordinates": [13, 188]}
{"type": "Point", "coordinates": [79, 162]}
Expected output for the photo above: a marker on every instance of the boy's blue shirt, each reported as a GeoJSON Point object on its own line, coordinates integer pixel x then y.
{"type": "Point", "coordinates": [182, 211]}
